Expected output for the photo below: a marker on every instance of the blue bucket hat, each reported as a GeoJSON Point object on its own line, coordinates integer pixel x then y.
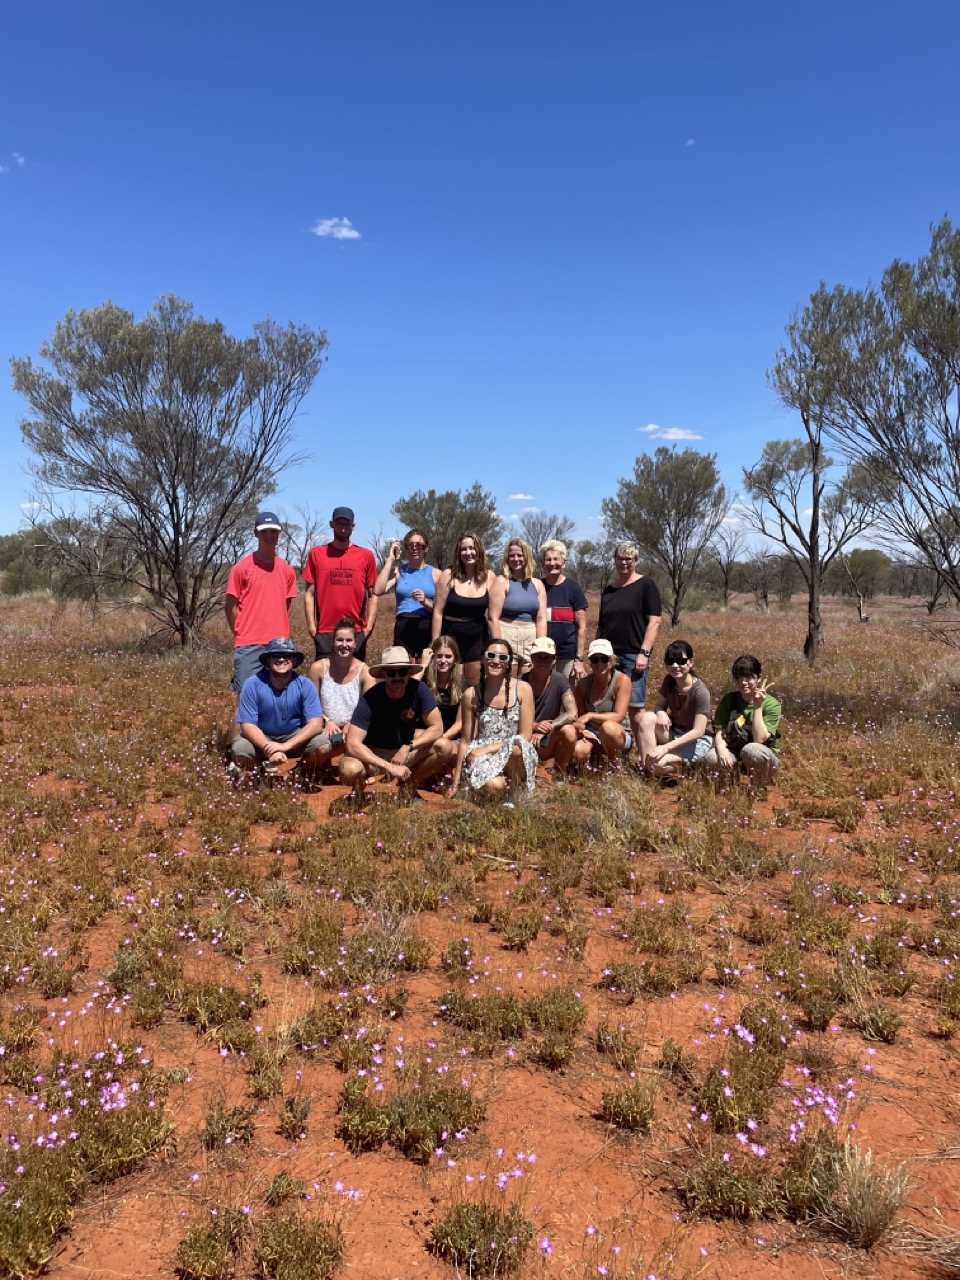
{"type": "Point", "coordinates": [282, 647]}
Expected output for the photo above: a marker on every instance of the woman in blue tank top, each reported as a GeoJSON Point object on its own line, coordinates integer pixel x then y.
{"type": "Point", "coordinates": [518, 602]}
{"type": "Point", "coordinates": [415, 584]}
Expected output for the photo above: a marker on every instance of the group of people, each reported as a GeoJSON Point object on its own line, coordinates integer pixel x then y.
{"type": "Point", "coordinates": [489, 675]}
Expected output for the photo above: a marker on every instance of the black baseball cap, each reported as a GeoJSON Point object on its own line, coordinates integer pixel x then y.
{"type": "Point", "coordinates": [342, 513]}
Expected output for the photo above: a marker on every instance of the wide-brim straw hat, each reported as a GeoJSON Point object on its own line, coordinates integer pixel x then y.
{"type": "Point", "coordinates": [395, 656]}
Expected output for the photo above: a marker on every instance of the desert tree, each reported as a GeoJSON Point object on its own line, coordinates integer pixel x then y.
{"type": "Point", "coordinates": [726, 550]}
{"type": "Point", "coordinates": [87, 551]}
{"type": "Point", "coordinates": [307, 528]}
{"type": "Point", "coordinates": [175, 430]}
{"type": "Point", "coordinates": [798, 499]}
{"type": "Point", "coordinates": [538, 527]}
{"type": "Point", "coordinates": [590, 563]}
{"type": "Point", "coordinates": [758, 575]}
{"type": "Point", "coordinates": [891, 369]}
{"type": "Point", "coordinates": [444, 516]}
{"type": "Point", "coordinates": [671, 508]}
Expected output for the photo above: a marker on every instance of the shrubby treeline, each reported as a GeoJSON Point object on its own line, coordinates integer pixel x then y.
{"type": "Point", "coordinates": [175, 431]}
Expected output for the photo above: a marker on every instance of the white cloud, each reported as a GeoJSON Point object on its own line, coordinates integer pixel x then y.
{"type": "Point", "coordinates": [337, 228]}
{"type": "Point", "coordinates": [669, 433]}
{"type": "Point", "coordinates": [19, 158]}
{"type": "Point", "coordinates": [29, 506]}
{"type": "Point", "coordinates": [519, 497]}
{"type": "Point", "coordinates": [690, 142]}
{"type": "Point", "coordinates": [529, 511]}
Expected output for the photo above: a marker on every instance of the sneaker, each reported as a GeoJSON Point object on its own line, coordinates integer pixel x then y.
{"type": "Point", "coordinates": [233, 771]}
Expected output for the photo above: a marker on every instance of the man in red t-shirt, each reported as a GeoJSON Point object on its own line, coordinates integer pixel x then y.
{"type": "Point", "coordinates": [340, 579]}
{"type": "Point", "coordinates": [260, 590]}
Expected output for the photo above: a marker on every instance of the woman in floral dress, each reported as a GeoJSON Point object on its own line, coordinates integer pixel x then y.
{"type": "Point", "coordinates": [496, 751]}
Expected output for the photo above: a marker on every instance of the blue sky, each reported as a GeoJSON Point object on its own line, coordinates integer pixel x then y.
{"type": "Point", "coordinates": [568, 223]}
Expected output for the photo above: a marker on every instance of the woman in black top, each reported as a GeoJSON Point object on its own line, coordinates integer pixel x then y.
{"type": "Point", "coordinates": [463, 601]}
{"type": "Point", "coordinates": [630, 617]}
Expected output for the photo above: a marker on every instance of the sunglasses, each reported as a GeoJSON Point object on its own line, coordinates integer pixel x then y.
{"type": "Point", "coordinates": [497, 657]}
{"type": "Point", "coordinates": [600, 657]}
{"type": "Point", "coordinates": [395, 673]}
{"type": "Point", "coordinates": [685, 662]}
{"type": "Point", "coordinates": [416, 546]}
{"type": "Point", "coordinates": [279, 657]}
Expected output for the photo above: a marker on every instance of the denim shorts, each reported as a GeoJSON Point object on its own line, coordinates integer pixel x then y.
{"type": "Point", "coordinates": [691, 752]}
{"type": "Point", "coordinates": [638, 679]}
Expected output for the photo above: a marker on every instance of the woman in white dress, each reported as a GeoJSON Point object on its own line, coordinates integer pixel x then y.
{"type": "Point", "coordinates": [496, 751]}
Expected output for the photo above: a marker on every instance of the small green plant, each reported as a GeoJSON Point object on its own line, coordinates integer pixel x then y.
{"type": "Point", "coordinates": [282, 1188]}
{"type": "Point", "coordinates": [360, 1123]}
{"type": "Point", "coordinates": [482, 1239]}
{"type": "Point", "coordinates": [209, 1005]}
{"type": "Point", "coordinates": [628, 1107]}
{"type": "Point", "coordinates": [226, 1125]}
{"type": "Point", "coordinates": [208, 1251]}
{"type": "Point", "coordinates": [494, 1017]}
{"type": "Point", "coordinates": [292, 1248]}
{"type": "Point", "coordinates": [560, 1011]}
{"type": "Point", "coordinates": [875, 1021]}
{"type": "Point", "coordinates": [615, 1042]}
{"type": "Point", "coordinates": [811, 1174]}
{"type": "Point", "coordinates": [459, 955]}
{"type": "Point", "coordinates": [868, 1198]}
{"type": "Point", "coordinates": [729, 1185]}
{"type": "Point", "coordinates": [292, 1124]}
{"type": "Point", "coordinates": [421, 1119]}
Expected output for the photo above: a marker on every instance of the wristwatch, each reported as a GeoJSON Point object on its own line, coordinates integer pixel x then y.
{"type": "Point", "coordinates": [645, 652]}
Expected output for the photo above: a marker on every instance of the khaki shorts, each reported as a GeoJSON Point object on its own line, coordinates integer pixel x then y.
{"type": "Point", "coordinates": [519, 636]}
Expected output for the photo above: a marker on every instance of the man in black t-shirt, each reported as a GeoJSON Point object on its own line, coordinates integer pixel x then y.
{"type": "Point", "coordinates": [396, 729]}
{"type": "Point", "coordinates": [566, 611]}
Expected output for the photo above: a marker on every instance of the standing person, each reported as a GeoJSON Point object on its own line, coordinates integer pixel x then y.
{"type": "Point", "coordinates": [396, 729]}
{"type": "Point", "coordinates": [415, 584]}
{"type": "Point", "coordinates": [463, 602]}
{"type": "Point", "coordinates": [630, 617]}
{"type": "Point", "coordinates": [279, 715]}
{"type": "Point", "coordinates": [495, 749]}
{"type": "Point", "coordinates": [444, 678]}
{"type": "Point", "coordinates": [260, 591]}
{"type": "Point", "coordinates": [518, 602]}
{"type": "Point", "coordinates": [747, 724]}
{"type": "Point", "coordinates": [677, 732]}
{"type": "Point", "coordinates": [603, 700]}
{"type": "Point", "coordinates": [340, 680]}
{"type": "Point", "coordinates": [340, 578]}
{"type": "Point", "coordinates": [554, 709]}
{"type": "Point", "coordinates": [566, 611]}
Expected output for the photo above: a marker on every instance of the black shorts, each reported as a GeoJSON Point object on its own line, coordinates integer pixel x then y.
{"type": "Point", "coordinates": [471, 638]}
{"type": "Point", "coordinates": [413, 633]}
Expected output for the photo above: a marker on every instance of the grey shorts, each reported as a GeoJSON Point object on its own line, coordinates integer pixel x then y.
{"type": "Point", "coordinates": [246, 663]}
{"type": "Point", "coordinates": [243, 748]}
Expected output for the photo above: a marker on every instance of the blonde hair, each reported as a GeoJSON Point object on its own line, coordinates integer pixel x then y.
{"type": "Point", "coordinates": [456, 675]}
{"type": "Point", "coordinates": [528, 565]}
{"type": "Point", "coordinates": [627, 549]}
{"type": "Point", "coordinates": [554, 544]}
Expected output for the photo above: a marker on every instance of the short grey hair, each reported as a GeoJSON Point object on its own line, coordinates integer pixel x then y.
{"type": "Point", "coordinates": [554, 544]}
{"type": "Point", "coordinates": [627, 549]}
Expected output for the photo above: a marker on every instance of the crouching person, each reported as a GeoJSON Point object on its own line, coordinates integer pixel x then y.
{"type": "Point", "coordinates": [279, 716]}
{"type": "Point", "coordinates": [396, 729]}
{"type": "Point", "coordinates": [603, 705]}
{"type": "Point", "coordinates": [746, 725]}
{"type": "Point", "coordinates": [678, 731]}
{"type": "Point", "coordinates": [555, 708]}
